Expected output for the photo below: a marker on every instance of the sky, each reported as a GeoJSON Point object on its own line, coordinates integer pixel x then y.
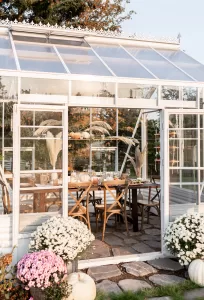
{"type": "Point", "coordinates": [169, 18]}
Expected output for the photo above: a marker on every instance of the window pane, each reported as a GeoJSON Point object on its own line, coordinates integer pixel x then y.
{"type": "Point", "coordinates": [8, 88]}
{"type": "Point", "coordinates": [157, 64]}
{"type": "Point", "coordinates": [6, 54]}
{"type": "Point", "coordinates": [183, 176]}
{"type": "Point", "coordinates": [189, 94]}
{"type": "Point", "coordinates": [122, 64]}
{"type": "Point", "coordinates": [183, 199]}
{"type": "Point", "coordinates": [82, 61]}
{"type": "Point", "coordinates": [128, 90]}
{"type": "Point", "coordinates": [44, 86]}
{"type": "Point", "coordinates": [40, 58]}
{"type": "Point", "coordinates": [186, 63]}
{"type": "Point", "coordinates": [96, 89]}
{"type": "Point", "coordinates": [170, 93]}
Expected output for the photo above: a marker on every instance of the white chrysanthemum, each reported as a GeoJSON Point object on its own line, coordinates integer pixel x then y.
{"type": "Point", "coordinates": [66, 237]}
{"type": "Point", "coordinates": [185, 237]}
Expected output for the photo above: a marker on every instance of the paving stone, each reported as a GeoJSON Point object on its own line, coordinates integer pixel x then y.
{"type": "Point", "coordinates": [142, 248]}
{"type": "Point", "coordinates": [165, 264]}
{"type": "Point", "coordinates": [129, 241]}
{"type": "Point", "coordinates": [139, 268]}
{"type": "Point", "coordinates": [155, 221]}
{"type": "Point", "coordinates": [153, 244]}
{"type": "Point", "coordinates": [133, 285]}
{"type": "Point", "coordinates": [158, 226]}
{"type": "Point", "coordinates": [147, 226]}
{"type": "Point", "coordinates": [97, 249]}
{"type": "Point", "coordinates": [104, 272]}
{"type": "Point", "coordinates": [123, 251]}
{"type": "Point", "coordinates": [131, 233]}
{"type": "Point", "coordinates": [153, 231]}
{"type": "Point", "coordinates": [163, 279]}
{"type": "Point", "coordinates": [160, 298]}
{"type": "Point", "coordinates": [120, 235]}
{"type": "Point", "coordinates": [194, 294]}
{"type": "Point", "coordinates": [147, 237]}
{"type": "Point", "coordinates": [107, 286]}
{"type": "Point", "coordinates": [113, 240]}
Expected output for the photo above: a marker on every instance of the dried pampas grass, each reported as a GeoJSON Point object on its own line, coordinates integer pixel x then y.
{"type": "Point", "coordinates": [50, 123]}
{"type": "Point", "coordinates": [54, 146]}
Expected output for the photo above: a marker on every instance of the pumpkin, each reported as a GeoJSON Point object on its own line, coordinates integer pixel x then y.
{"type": "Point", "coordinates": [83, 287]}
{"type": "Point", "coordinates": [196, 271]}
{"type": "Point", "coordinates": [85, 135]}
{"type": "Point", "coordinates": [72, 134]}
{"type": "Point", "coordinates": [77, 135]}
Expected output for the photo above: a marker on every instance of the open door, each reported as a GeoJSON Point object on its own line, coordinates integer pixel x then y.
{"type": "Point", "coordinates": [182, 163]}
{"type": "Point", "coordinates": [40, 175]}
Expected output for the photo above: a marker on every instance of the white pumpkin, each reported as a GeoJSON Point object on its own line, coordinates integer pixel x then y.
{"type": "Point", "coordinates": [196, 271]}
{"type": "Point", "coordinates": [85, 135]}
{"type": "Point", "coordinates": [83, 287]}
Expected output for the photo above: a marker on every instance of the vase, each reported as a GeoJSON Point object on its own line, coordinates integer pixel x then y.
{"type": "Point", "coordinates": [72, 266]}
{"type": "Point", "coordinates": [37, 293]}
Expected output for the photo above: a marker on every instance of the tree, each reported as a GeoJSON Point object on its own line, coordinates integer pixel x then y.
{"type": "Point", "coordinates": [98, 14]}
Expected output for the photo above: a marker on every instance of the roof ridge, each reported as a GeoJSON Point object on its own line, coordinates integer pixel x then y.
{"type": "Point", "coordinates": [101, 33]}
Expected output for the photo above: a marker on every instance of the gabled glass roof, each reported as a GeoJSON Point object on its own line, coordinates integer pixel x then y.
{"type": "Point", "coordinates": [97, 59]}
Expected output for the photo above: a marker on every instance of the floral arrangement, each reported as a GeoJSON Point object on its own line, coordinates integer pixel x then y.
{"type": "Point", "coordinates": [41, 269]}
{"type": "Point", "coordinates": [185, 238]}
{"type": "Point", "coordinates": [66, 237]}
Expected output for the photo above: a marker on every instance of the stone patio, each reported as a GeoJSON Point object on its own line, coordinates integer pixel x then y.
{"type": "Point", "coordinates": [118, 243]}
{"type": "Point", "coordinates": [135, 276]}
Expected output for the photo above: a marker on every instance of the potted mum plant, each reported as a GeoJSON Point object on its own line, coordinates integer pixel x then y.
{"type": "Point", "coordinates": [42, 273]}
{"type": "Point", "coordinates": [66, 237]}
{"type": "Point", "coordinates": [185, 239]}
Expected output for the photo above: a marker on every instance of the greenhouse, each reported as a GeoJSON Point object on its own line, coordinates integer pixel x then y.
{"type": "Point", "coordinates": [78, 106]}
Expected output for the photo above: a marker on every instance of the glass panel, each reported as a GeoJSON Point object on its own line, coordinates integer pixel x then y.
{"type": "Point", "coordinates": [201, 148]}
{"type": "Point", "coordinates": [187, 156]}
{"type": "Point", "coordinates": [170, 93]}
{"type": "Point", "coordinates": [183, 176]}
{"type": "Point", "coordinates": [127, 119]}
{"type": "Point", "coordinates": [6, 54]}
{"type": "Point", "coordinates": [128, 90]}
{"type": "Point", "coordinates": [122, 64]}
{"type": "Point", "coordinates": [8, 124]}
{"type": "Point", "coordinates": [44, 86]}
{"type": "Point", "coordinates": [82, 61]}
{"type": "Point", "coordinates": [157, 64]}
{"type": "Point", "coordinates": [183, 121]}
{"type": "Point", "coordinates": [189, 94]}
{"type": "Point", "coordinates": [42, 58]}
{"type": "Point", "coordinates": [8, 88]}
{"type": "Point", "coordinates": [41, 167]}
{"type": "Point", "coordinates": [106, 115]}
{"type": "Point", "coordinates": [183, 199]}
{"type": "Point", "coordinates": [96, 89]}
{"type": "Point", "coordinates": [103, 154]}
{"type": "Point", "coordinates": [185, 62]}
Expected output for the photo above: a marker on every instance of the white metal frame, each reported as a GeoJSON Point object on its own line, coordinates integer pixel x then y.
{"type": "Point", "coordinates": [16, 158]}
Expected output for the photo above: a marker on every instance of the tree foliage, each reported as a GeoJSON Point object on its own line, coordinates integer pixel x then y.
{"type": "Point", "coordinates": [98, 14]}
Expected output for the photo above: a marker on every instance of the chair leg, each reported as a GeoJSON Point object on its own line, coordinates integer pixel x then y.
{"type": "Point", "coordinates": [142, 220]}
{"type": "Point", "coordinates": [104, 227]}
{"type": "Point", "coordinates": [148, 212]}
{"type": "Point", "coordinates": [116, 221]}
{"type": "Point", "coordinates": [126, 223]}
{"type": "Point", "coordinates": [97, 215]}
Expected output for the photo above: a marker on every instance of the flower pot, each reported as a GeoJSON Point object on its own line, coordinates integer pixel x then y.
{"type": "Point", "coordinates": [37, 293]}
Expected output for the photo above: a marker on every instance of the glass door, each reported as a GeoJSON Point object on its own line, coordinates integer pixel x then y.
{"type": "Point", "coordinates": [40, 164]}
{"type": "Point", "coordinates": [182, 163]}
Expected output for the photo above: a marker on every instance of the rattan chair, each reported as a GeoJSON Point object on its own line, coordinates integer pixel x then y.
{"type": "Point", "coordinates": [78, 210]}
{"type": "Point", "coordinates": [118, 207]}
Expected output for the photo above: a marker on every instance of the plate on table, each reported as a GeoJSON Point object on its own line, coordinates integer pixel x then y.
{"type": "Point", "coordinates": [138, 181]}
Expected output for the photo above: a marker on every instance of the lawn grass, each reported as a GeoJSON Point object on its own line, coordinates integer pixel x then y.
{"type": "Point", "coordinates": [176, 292]}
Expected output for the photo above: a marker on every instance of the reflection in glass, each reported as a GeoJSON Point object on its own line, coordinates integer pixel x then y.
{"type": "Point", "coordinates": [44, 86]}
{"type": "Point", "coordinates": [38, 57]}
{"type": "Point", "coordinates": [128, 90]}
{"type": "Point", "coordinates": [189, 94]}
{"type": "Point", "coordinates": [94, 89]}
{"type": "Point", "coordinates": [180, 176]}
{"type": "Point", "coordinates": [82, 61]}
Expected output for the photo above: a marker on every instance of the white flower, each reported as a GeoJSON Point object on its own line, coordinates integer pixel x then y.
{"type": "Point", "coordinates": [66, 237]}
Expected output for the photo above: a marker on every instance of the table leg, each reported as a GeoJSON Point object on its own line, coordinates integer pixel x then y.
{"type": "Point", "coordinates": [134, 210]}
